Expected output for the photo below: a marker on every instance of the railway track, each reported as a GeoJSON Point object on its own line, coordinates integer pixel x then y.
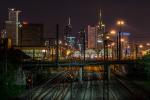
{"type": "Point", "coordinates": [136, 91]}
{"type": "Point", "coordinates": [62, 88]}
{"type": "Point", "coordinates": [43, 90]}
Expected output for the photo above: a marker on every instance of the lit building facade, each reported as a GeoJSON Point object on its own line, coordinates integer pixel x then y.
{"type": "Point", "coordinates": [92, 37]}
{"type": "Point", "coordinates": [69, 38]}
{"type": "Point", "coordinates": [95, 34]}
{"type": "Point", "coordinates": [126, 46]}
{"type": "Point", "coordinates": [12, 26]}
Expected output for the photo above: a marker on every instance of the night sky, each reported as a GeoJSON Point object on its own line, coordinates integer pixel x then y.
{"type": "Point", "coordinates": [136, 14]}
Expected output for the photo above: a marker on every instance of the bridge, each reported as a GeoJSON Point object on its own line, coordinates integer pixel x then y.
{"type": "Point", "coordinates": [67, 84]}
{"type": "Point", "coordinates": [30, 64]}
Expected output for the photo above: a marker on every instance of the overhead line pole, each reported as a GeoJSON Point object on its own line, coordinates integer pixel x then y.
{"type": "Point", "coordinates": [57, 43]}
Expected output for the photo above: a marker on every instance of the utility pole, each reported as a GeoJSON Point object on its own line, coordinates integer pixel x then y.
{"type": "Point", "coordinates": [136, 51]}
{"type": "Point", "coordinates": [83, 42]}
{"type": "Point", "coordinates": [119, 38]}
{"type": "Point", "coordinates": [106, 69]}
{"type": "Point", "coordinates": [57, 43]}
{"type": "Point", "coordinates": [83, 48]}
{"type": "Point", "coordinates": [120, 23]}
{"type": "Point", "coordinates": [6, 50]}
{"type": "Point", "coordinates": [117, 49]}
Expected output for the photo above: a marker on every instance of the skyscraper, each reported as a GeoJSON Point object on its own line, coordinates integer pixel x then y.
{"type": "Point", "coordinates": [95, 34]}
{"type": "Point", "coordinates": [69, 38]}
{"type": "Point", "coordinates": [100, 32]}
{"type": "Point", "coordinates": [12, 25]}
{"type": "Point", "coordinates": [92, 37]}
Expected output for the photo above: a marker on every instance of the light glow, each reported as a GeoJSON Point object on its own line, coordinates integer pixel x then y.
{"type": "Point", "coordinates": [107, 37]}
{"type": "Point", "coordinates": [140, 46]}
{"type": "Point", "coordinates": [122, 40]}
{"type": "Point", "coordinates": [43, 50]}
{"type": "Point", "coordinates": [113, 32]}
{"type": "Point", "coordinates": [99, 41]}
{"type": "Point", "coordinates": [112, 44]}
{"type": "Point", "coordinates": [120, 22]}
{"type": "Point", "coordinates": [148, 44]}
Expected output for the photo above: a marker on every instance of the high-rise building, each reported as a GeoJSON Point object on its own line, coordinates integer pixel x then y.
{"type": "Point", "coordinates": [95, 34]}
{"type": "Point", "coordinates": [100, 32]}
{"type": "Point", "coordinates": [92, 37]}
{"type": "Point", "coordinates": [69, 38]}
{"type": "Point", "coordinates": [12, 26]}
{"type": "Point", "coordinates": [31, 34]}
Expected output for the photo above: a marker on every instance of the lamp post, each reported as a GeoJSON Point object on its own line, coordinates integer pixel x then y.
{"type": "Point", "coordinates": [140, 47]}
{"type": "Point", "coordinates": [83, 40]}
{"type": "Point", "coordinates": [113, 33]}
{"type": "Point", "coordinates": [60, 50]}
{"type": "Point", "coordinates": [57, 43]}
{"type": "Point", "coordinates": [120, 23]}
{"type": "Point", "coordinates": [106, 73]}
{"type": "Point", "coordinates": [82, 37]}
{"type": "Point", "coordinates": [112, 50]}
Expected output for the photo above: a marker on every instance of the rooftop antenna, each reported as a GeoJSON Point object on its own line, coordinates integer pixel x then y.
{"type": "Point", "coordinates": [100, 14]}
{"type": "Point", "coordinates": [100, 19]}
{"type": "Point", "coordinates": [69, 21]}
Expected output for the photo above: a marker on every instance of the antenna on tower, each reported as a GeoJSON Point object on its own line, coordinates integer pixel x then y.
{"type": "Point", "coordinates": [100, 18]}
{"type": "Point", "coordinates": [69, 21]}
{"type": "Point", "coordinates": [100, 14]}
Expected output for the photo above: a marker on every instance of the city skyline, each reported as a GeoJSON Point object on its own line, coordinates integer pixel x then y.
{"type": "Point", "coordinates": [84, 13]}
{"type": "Point", "coordinates": [75, 50]}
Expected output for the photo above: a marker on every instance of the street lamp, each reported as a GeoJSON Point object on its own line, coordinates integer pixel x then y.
{"type": "Point", "coordinates": [112, 49]}
{"type": "Point", "coordinates": [113, 43]}
{"type": "Point", "coordinates": [148, 44]}
{"type": "Point", "coordinates": [140, 46]}
{"type": "Point", "coordinates": [60, 42]}
{"type": "Point", "coordinates": [43, 54]}
{"type": "Point", "coordinates": [120, 23]}
{"type": "Point", "coordinates": [60, 49]}
{"type": "Point", "coordinates": [122, 40]}
{"type": "Point", "coordinates": [107, 37]}
{"type": "Point", "coordinates": [112, 32]}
